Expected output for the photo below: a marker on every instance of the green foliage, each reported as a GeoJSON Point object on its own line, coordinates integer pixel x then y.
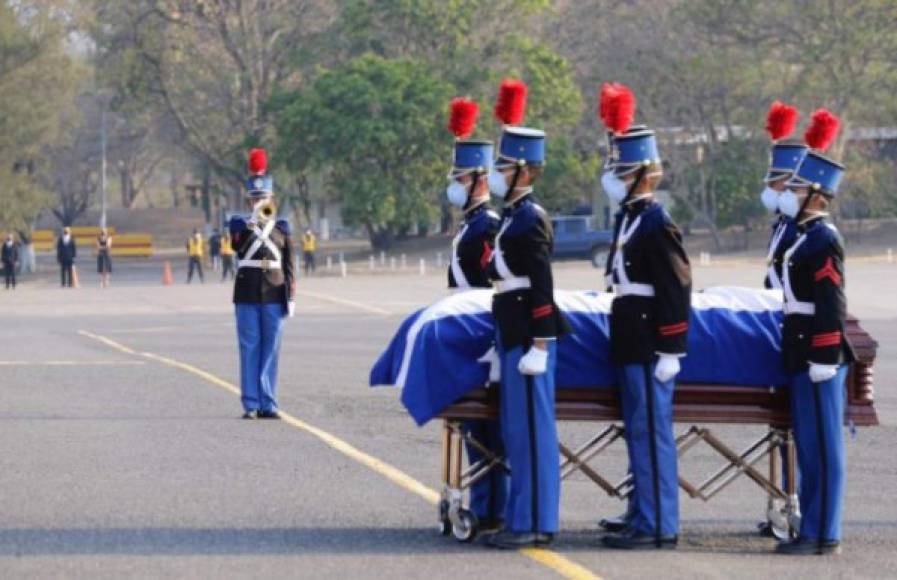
{"type": "Point", "coordinates": [376, 127]}
{"type": "Point", "coordinates": [570, 176]}
{"type": "Point", "coordinates": [37, 84]}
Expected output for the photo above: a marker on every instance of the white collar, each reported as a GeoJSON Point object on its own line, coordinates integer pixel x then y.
{"type": "Point", "coordinates": [812, 215]}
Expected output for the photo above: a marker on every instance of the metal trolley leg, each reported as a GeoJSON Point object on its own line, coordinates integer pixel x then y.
{"type": "Point", "coordinates": [454, 517]}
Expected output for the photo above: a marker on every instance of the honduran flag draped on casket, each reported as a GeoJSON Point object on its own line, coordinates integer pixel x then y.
{"type": "Point", "coordinates": [733, 339]}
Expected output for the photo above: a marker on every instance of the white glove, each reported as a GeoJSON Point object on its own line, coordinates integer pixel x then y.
{"type": "Point", "coordinates": [667, 367]}
{"type": "Point", "coordinates": [291, 308]}
{"type": "Point", "coordinates": [491, 359]}
{"type": "Point", "coordinates": [534, 362]}
{"type": "Point", "coordinates": [256, 212]}
{"type": "Point", "coordinates": [822, 373]}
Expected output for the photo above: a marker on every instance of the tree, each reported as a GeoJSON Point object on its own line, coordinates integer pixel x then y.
{"type": "Point", "coordinates": [376, 127]}
{"type": "Point", "coordinates": [833, 53]}
{"type": "Point", "coordinates": [212, 66]}
{"type": "Point", "coordinates": [37, 83]}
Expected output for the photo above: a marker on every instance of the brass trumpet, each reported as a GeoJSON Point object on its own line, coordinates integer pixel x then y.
{"type": "Point", "coordinates": [267, 210]}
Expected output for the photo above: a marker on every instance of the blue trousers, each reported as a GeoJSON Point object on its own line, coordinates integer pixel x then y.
{"type": "Point", "coordinates": [259, 328]}
{"type": "Point", "coordinates": [817, 413]}
{"type": "Point", "coordinates": [530, 435]}
{"type": "Point", "coordinates": [648, 418]}
{"type": "Point", "coordinates": [488, 496]}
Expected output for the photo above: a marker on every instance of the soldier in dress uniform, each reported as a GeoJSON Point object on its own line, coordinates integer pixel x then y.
{"type": "Point", "coordinates": [650, 274]}
{"type": "Point", "coordinates": [528, 324]}
{"type": "Point", "coordinates": [815, 349]}
{"type": "Point", "coordinates": [471, 253]}
{"type": "Point", "coordinates": [784, 158]}
{"type": "Point", "coordinates": [264, 290]}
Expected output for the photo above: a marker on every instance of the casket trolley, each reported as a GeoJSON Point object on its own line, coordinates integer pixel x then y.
{"type": "Point", "coordinates": [695, 407]}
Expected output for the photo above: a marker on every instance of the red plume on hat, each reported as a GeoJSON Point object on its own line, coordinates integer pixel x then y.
{"type": "Point", "coordinates": [463, 117]}
{"type": "Point", "coordinates": [258, 161]}
{"type": "Point", "coordinates": [510, 106]}
{"type": "Point", "coordinates": [823, 129]}
{"type": "Point", "coordinates": [781, 120]}
{"type": "Point", "coordinates": [617, 107]}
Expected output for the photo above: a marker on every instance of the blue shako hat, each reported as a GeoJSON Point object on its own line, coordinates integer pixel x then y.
{"type": "Point", "coordinates": [472, 155]}
{"type": "Point", "coordinates": [612, 153]}
{"type": "Point", "coordinates": [819, 173]}
{"type": "Point", "coordinates": [258, 184]}
{"type": "Point", "coordinates": [634, 149]}
{"type": "Point", "coordinates": [784, 159]}
{"type": "Point", "coordinates": [521, 146]}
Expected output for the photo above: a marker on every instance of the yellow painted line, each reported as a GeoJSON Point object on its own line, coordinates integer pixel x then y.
{"type": "Point", "coordinates": [558, 563]}
{"type": "Point", "coordinates": [69, 363]}
{"type": "Point", "coordinates": [108, 342]}
{"type": "Point", "coordinates": [344, 302]}
{"type": "Point", "coordinates": [561, 565]}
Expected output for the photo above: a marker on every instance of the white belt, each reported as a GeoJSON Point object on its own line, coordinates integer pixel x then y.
{"type": "Point", "coordinates": [510, 284]}
{"type": "Point", "coordinates": [633, 289]}
{"type": "Point", "coordinates": [807, 308]}
{"type": "Point", "coordinates": [262, 264]}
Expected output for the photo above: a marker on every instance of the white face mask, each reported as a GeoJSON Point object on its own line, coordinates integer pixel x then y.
{"type": "Point", "coordinates": [770, 199]}
{"type": "Point", "coordinates": [613, 186]}
{"type": "Point", "coordinates": [456, 193]}
{"type": "Point", "coordinates": [789, 204]}
{"type": "Point", "coordinates": [498, 184]}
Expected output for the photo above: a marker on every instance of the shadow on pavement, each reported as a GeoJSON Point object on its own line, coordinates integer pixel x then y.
{"type": "Point", "coordinates": [236, 541]}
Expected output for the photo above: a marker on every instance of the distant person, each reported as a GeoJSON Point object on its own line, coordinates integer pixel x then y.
{"type": "Point", "coordinates": [194, 256]}
{"type": "Point", "coordinates": [227, 258]}
{"type": "Point", "coordinates": [215, 250]}
{"type": "Point", "coordinates": [309, 246]}
{"type": "Point", "coordinates": [104, 261]}
{"type": "Point", "coordinates": [10, 259]}
{"type": "Point", "coordinates": [66, 251]}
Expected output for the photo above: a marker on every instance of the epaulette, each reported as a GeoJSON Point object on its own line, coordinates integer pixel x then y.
{"type": "Point", "coordinates": [284, 226]}
{"type": "Point", "coordinates": [524, 216]}
{"type": "Point", "coordinates": [237, 224]}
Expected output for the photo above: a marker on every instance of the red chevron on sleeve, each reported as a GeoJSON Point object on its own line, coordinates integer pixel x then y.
{"type": "Point", "coordinates": [485, 256]}
{"type": "Point", "coordinates": [543, 311]}
{"type": "Point", "coordinates": [828, 271]}
{"type": "Point", "coordinates": [825, 339]}
{"type": "Point", "coordinates": [673, 329]}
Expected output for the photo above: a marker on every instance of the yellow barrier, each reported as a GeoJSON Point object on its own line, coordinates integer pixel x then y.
{"type": "Point", "coordinates": [140, 245]}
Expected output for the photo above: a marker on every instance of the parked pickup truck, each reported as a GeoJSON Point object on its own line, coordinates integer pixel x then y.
{"type": "Point", "coordinates": [576, 237]}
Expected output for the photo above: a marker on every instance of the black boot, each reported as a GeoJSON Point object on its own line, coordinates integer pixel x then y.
{"type": "Point", "coordinates": [619, 523]}
{"type": "Point", "coordinates": [808, 547]}
{"type": "Point", "coordinates": [632, 540]}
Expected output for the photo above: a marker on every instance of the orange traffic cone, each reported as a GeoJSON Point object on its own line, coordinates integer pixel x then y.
{"type": "Point", "coordinates": [167, 278]}
{"type": "Point", "coordinates": [75, 283]}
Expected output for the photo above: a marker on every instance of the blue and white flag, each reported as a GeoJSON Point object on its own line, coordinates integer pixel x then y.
{"type": "Point", "coordinates": [734, 339]}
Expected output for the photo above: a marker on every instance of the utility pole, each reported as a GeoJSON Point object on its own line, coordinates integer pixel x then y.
{"type": "Point", "coordinates": [103, 166]}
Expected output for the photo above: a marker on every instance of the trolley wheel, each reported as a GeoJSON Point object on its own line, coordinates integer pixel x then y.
{"type": "Point", "coordinates": [466, 531]}
{"type": "Point", "coordinates": [777, 521]}
{"type": "Point", "coordinates": [794, 522]}
{"type": "Point", "coordinates": [445, 524]}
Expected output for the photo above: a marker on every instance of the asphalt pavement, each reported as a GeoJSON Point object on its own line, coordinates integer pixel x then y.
{"type": "Point", "coordinates": [124, 453]}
